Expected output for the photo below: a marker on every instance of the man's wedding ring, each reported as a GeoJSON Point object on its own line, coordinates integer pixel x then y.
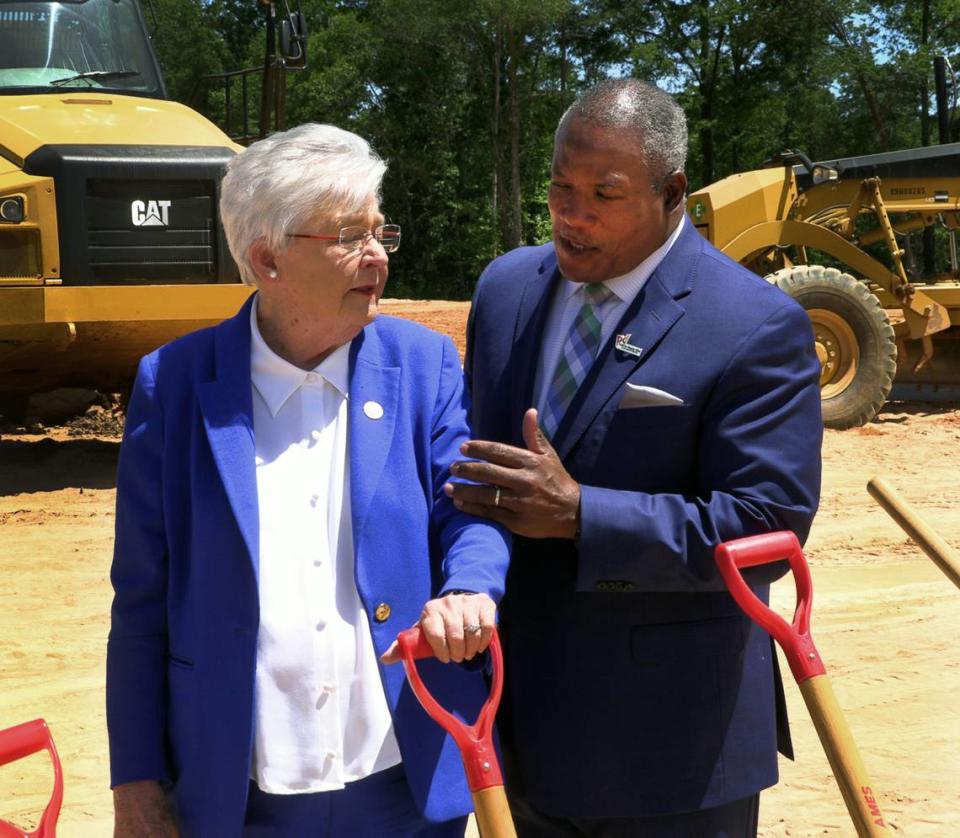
{"type": "Point", "coordinates": [473, 628]}
{"type": "Point", "coordinates": [496, 497]}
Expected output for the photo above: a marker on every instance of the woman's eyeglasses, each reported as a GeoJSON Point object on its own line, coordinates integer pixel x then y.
{"type": "Point", "coordinates": [354, 238]}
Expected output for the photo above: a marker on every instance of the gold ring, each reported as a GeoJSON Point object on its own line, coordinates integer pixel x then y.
{"type": "Point", "coordinates": [496, 497]}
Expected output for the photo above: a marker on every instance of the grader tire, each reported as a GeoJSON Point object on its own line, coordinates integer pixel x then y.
{"type": "Point", "coordinates": [854, 342]}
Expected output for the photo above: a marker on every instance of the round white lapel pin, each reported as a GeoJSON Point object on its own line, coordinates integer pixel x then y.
{"type": "Point", "coordinates": [373, 410]}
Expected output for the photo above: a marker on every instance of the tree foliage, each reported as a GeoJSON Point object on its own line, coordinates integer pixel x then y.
{"type": "Point", "coordinates": [462, 99]}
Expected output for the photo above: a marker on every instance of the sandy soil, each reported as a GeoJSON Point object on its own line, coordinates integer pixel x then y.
{"type": "Point", "coordinates": [885, 620]}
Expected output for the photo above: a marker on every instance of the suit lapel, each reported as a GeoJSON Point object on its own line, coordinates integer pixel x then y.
{"type": "Point", "coordinates": [374, 387]}
{"type": "Point", "coordinates": [227, 407]}
{"type": "Point", "coordinates": [647, 320]}
{"type": "Point", "coordinates": [528, 339]}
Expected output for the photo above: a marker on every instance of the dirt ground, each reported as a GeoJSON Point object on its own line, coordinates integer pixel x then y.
{"type": "Point", "coordinates": [885, 620]}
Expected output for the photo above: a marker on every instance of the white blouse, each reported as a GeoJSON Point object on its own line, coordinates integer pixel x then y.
{"type": "Point", "coordinates": [321, 715]}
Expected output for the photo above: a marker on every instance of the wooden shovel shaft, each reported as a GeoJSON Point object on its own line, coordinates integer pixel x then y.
{"type": "Point", "coordinates": [918, 529]}
{"type": "Point", "coordinates": [844, 758]}
{"type": "Point", "coordinates": [493, 813]}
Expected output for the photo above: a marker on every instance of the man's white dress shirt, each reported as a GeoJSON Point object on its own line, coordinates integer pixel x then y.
{"type": "Point", "coordinates": [321, 717]}
{"type": "Point", "coordinates": [568, 300]}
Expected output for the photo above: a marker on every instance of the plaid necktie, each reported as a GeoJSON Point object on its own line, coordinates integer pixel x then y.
{"type": "Point", "coordinates": [577, 356]}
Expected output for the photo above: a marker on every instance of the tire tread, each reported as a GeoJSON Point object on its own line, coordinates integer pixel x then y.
{"type": "Point", "coordinates": [861, 402]}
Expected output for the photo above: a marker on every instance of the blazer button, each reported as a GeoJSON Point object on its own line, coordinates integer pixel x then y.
{"type": "Point", "coordinates": [382, 613]}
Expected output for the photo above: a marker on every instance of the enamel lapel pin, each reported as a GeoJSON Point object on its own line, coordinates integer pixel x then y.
{"type": "Point", "coordinates": [622, 344]}
{"type": "Point", "coordinates": [373, 410]}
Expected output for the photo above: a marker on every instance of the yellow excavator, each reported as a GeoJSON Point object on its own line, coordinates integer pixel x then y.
{"type": "Point", "coordinates": [110, 241]}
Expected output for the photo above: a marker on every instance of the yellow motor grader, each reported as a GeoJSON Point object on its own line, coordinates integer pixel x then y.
{"type": "Point", "coordinates": [817, 229]}
{"type": "Point", "coordinates": [110, 241]}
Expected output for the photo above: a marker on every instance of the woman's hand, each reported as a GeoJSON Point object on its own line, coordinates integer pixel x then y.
{"type": "Point", "coordinates": [457, 627]}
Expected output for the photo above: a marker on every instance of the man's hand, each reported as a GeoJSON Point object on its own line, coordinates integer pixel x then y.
{"type": "Point", "coordinates": [529, 491]}
{"type": "Point", "coordinates": [457, 627]}
{"type": "Point", "coordinates": [141, 810]}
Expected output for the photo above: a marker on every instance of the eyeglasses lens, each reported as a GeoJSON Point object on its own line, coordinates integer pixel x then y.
{"type": "Point", "coordinates": [389, 236]}
{"type": "Point", "coordinates": [355, 237]}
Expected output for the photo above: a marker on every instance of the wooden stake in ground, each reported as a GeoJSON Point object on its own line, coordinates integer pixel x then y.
{"type": "Point", "coordinates": [913, 525]}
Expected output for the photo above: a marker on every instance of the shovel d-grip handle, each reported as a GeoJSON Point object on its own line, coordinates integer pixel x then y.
{"type": "Point", "coordinates": [474, 741]}
{"type": "Point", "coordinates": [794, 639]}
{"type": "Point", "coordinates": [806, 665]}
{"type": "Point", "coordinates": [22, 741]}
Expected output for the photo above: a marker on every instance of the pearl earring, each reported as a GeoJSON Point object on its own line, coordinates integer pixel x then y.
{"type": "Point", "coordinates": [272, 274]}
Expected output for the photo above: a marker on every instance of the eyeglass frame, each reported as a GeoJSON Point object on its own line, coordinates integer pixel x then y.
{"type": "Point", "coordinates": [358, 245]}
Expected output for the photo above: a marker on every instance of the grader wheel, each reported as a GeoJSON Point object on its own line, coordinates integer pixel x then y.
{"type": "Point", "coordinates": [854, 341]}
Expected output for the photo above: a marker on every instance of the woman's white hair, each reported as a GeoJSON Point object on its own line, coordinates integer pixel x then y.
{"type": "Point", "coordinates": [281, 183]}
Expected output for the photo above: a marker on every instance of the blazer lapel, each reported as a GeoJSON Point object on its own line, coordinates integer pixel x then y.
{"type": "Point", "coordinates": [646, 321]}
{"type": "Point", "coordinates": [372, 409]}
{"type": "Point", "coordinates": [227, 407]}
{"type": "Point", "coordinates": [528, 338]}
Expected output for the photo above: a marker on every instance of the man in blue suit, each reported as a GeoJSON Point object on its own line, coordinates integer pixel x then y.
{"type": "Point", "coordinates": [638, 398]}
{"type": "Point", "coordinates": [280, 518]}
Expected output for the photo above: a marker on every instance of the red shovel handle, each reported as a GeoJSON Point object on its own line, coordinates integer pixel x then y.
{"type": "Point", "coordinates": [808, 668]}
{"type": "Point", "coordinates": [19, 742]}
{"type": "Point", "coordinates": [474, 741]}
{"type": "Point", "coordinates": [794, 639]}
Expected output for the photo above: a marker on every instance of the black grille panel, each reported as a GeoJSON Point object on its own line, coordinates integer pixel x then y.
{"type": "Point", "coordinates": [135, 215]}
{"type": "Point", "coordinates": [166, 231]}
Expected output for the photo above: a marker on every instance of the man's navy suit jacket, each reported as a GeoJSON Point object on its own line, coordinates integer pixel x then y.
{"type": "Point", "coordinates": [183, 644]}
{"type": "Point", "coordinates": [637, 686]}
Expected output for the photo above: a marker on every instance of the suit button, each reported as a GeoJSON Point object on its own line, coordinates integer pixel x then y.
{"type": "Point", "coordinates": [382, 613]}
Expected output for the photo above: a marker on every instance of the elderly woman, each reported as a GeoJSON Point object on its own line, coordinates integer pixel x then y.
{"type": "Point", "coordinates": [280, 517]}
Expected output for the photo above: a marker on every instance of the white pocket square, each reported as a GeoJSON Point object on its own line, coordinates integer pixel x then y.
{"type": "Point", "coordinates": [639, 395]}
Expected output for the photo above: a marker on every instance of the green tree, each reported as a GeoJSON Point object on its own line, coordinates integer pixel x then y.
{"type": "Point", "coordinates": [463, 99]}
{"type": "Point", "coordinates": [189, 44]}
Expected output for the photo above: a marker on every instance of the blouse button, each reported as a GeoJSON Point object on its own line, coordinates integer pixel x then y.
{"type": "Point", "coordinates": [382, 613]}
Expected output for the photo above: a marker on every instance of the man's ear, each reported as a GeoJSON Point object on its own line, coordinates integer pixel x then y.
{"type": "Point", "coordinates": [263, 261]}
{"type": "Point", "coordinates": [674, 191]}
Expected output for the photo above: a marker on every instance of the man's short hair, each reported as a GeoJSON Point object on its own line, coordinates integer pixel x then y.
{"type": "Point", "coordinates": [655, 119]}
